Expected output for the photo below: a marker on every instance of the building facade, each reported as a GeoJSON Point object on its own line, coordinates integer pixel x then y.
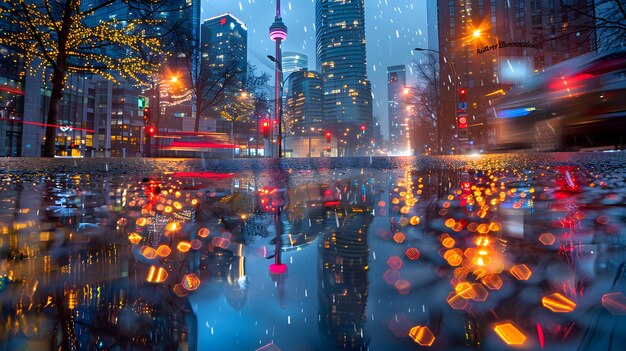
{"type": "Point", "coordinates": [224, 53]}
{"type": "Point", "coordinates": [11, 106]}
{"type": "Point", "coordinates": [397, 107]}
{"type": "Point", "coordinates": [181, 30]}
{"type": "Point", "coordinates": [118, 120]}
{"type": "Point", "coordinates": [224, 43]}
{"type": "Point", "coordinates": [484, 39]}
{"type": "Point", "coordinates": [293, 62]}
{"type": "Point", "coordinates": [304, 103]}
{"type": "Point", "coordinates": [304, 125]}
{"type": "Point", "coordinates": [341, 59]}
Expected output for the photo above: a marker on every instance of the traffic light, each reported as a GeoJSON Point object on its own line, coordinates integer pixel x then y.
{"type": "Point", "coordinates": [147, 115]}
{"type": "Point", "coordinates": [461, 121]}
{"type": "Point", "coordinates": [363, 128]}
{"type": "Point", "coordinates": [462, 93]}
{"type": "Point", "coordinates": [462, 99]}
{"type": "Point", "coordinates": [150, 131]}
{"type": "Point", "coordinates": [328, 134]}
{"type": "Point", "coordinates": [266, 129]}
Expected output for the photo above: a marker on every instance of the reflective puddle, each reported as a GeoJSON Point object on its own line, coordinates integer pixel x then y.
{"type": "Point", "coordinates": [490, 253]}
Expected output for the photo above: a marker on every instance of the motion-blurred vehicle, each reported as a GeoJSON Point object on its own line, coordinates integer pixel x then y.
{"type": "Point", "coordinates": [578, 103]}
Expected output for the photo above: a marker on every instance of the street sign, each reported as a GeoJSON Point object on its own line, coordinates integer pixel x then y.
{"type": "Point", "coordinates": [462, 120]}
{"type": "Point", "coordinates": [462, 105]}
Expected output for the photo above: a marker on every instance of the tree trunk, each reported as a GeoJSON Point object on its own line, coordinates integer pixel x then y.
{"type": "Point", "coordinates": [58, 78]}
{"type": "Point", "coordinates": [53, 111]}
{"type": "Point", "coordinates": [196, 126]}
{"type": "Point", "coordinates": [232, 132]}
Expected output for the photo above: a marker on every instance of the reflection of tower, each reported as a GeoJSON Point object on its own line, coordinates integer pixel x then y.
{"type": "Point", "coordinates": [343, 289]}
{"type": "Point", "coordinates": [278, 270]}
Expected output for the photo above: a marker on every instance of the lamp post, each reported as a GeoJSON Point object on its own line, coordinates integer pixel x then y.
{"type": "Point", "coordinates": [478, 34]}
{"type": "Point", "coordinates": [279, 100]}
{"type": "Point", "coordinates": [157, 85]}
{"type": "Point", "coordinates": [278, 33]}
{"type": "Point", "coordinates": [439, 127]}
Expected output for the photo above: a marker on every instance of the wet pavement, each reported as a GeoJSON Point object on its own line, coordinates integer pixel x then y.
{"type": "Point", "coordinates": [487, 252]}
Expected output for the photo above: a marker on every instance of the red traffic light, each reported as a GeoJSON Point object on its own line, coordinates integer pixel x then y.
{"type": "Point", "coordinates": [147, 114]}
{"type": "Point", "coordinates": [150, 130]}
{"type": "Point", "coordinates": [363, 127]}
{"type": "Point", "coordinates": [462, 93]}
{"type": "Point", "coordinates": [266, 129]}
{"type": "Point", "coordinates": [328, 134]}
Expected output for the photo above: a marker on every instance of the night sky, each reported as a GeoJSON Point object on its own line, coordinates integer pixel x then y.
{"type": "Point", "coordinates": [392, 29]}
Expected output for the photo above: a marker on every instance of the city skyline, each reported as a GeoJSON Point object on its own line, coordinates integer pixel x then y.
{"type": "Point", "coordinates": [391, 31]}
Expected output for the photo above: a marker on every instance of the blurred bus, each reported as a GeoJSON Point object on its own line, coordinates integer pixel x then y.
{"type": "Point", "coordinates": [578, 103]}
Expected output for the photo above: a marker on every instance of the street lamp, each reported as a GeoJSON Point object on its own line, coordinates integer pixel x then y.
{"type": "Point", "coordinates": [478, 34]}
{"type": "Point", "coordinates": [157, 85]}
{"type": "Point", "coordinates": [439, 126]}
{"type": "Point", "coordinates": [279, 99]}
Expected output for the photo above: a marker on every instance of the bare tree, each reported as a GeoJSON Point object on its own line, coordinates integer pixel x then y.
{"type": "Point", "coordinates": [58, 38]}
{"type": "Point", "coordinates": [427, 97]}
{"type": "Point", "coordinates": [210, 87]}
{"type": "Point", "coordinates": [240, 106]}
{"type": "Point", "coordinates": [603, 19]}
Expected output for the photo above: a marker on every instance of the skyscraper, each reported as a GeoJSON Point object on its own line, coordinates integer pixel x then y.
{"type": "Point", "coordinates": [293, 62]}
{"type": "Point", "coordinates": [340, 45]}
{"type": "Point", "coordinates": [304, 102]}
{"type": "Point", "coordinates": [224, 43]}
{"type": "Point", "coordinates": [396, 83]}
{"type": "Point", "coordinates": [181, 20]}
{"type": "Point", "coordinates": [432, 22]}
{"type": "Point", "coordinates": [224, 50]}
{"type": "Point", "coordinates": [303, 114]}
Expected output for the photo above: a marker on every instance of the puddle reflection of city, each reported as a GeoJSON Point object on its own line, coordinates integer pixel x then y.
{"type": "Point", "coordinates": [112, 264]}
{"type": "Point", "coordinates": [288, 218]}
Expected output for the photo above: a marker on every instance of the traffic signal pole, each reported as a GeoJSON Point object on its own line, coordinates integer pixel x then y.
{"type": "Point", "coordinates": [462, 116]}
